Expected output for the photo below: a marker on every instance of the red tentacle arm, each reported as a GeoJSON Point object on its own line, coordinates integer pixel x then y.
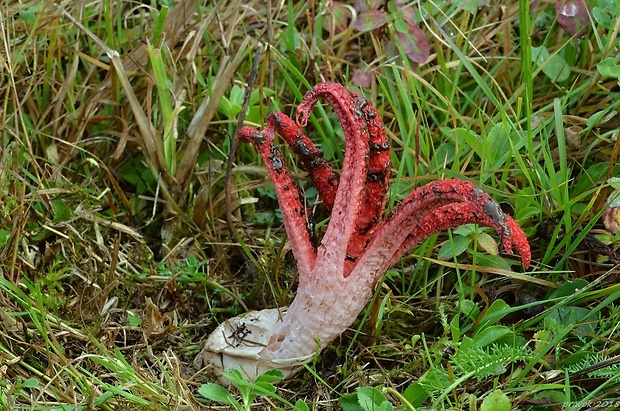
{"type": "Point", "coordinates": [511, 235]}
{"type": "Point", "coordinates": [349, 196]}
{"type": "Point", "coordinates": [378, 175]}
{"type": "Point", "coordinates": [321, 175]}
{"type": "Point", "coordinates": [384, 253]}
{"type": "Point", "coordinates": [431, 209]}
{"type": "Point", "coordinates": [296, 217]}
{"type": "Point", "coordinates": [356, 113]}
{"type": "Point", "coordinates": [377, 181]}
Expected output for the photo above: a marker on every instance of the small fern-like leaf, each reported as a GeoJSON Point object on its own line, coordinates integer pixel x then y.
{"type": "Point", "coordinates": [488, 361]}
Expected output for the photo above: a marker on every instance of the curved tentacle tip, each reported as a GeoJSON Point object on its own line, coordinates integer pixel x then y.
{"type": "Point", "coordinates": [302, 115]}
{"type": "Point", "coordinates": [518, 241]}
{"type": "Point", "coordinates": [304, 109]}
{"type": "Point", "coordinates": [249, 134]}
{"type": "Point", "coordinates": [513, 237]}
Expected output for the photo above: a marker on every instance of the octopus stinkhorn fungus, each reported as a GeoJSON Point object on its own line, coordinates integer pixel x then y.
{"type": "Point", "coordinates": [337, 278]}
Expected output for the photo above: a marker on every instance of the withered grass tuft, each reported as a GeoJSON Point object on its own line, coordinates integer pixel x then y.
{"type": "Point", "coordinates": [116, 259]}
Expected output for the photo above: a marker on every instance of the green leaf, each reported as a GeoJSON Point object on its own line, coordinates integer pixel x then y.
{"type": "Point", "coordinates": [415, 394]}
{"type": "Point", "coordinates": [349, 402]}
{"type": "Point", "coordinates": [455, 330]}
{"type": "Point", "coordinates": [569, 288]}
{"type": "Point", "coordinates": [227, 108]}
{"type": "Point", "coordinates": [134, 321]}
{"type": "Point", "coordinates": [498, 310]}
{"type": "Point", "coordinates": [470, 6]}
{"type": "Point", "coordinates": [488, 243]}
{"type": "Point", "coordinates": [466, 230]}
{"type": "Point", "coordinates": [100, 400]}
{"type": "Point", "coordinates": [435, 379]}
{"type": "Point", "coordinates": [271, 376]}
{"type": "Point", "coordinates": [601, 116]}
{"type": "Point", "coordinates": [29, 14]}
{"type": "Point", "coordinates": [453, 248]}
{"type": "Point", "coordinates": [159, 22]}
{"type": "Point", "coordinates": [300, 405]}
{"type": "Point", "coordinates": [466, 344]}
{"type": "Point", "coordinates": [137, 173]}
{"type": "Point", "coordinates": [610, 67]}
{"type": "Point", "coordinates": [465, 138]}
{"type": "Point", "coordinates": [576, 358]}
{"type": "Point", "coordinates": [365, 399]}
{"type": "Point", "coordinates": [554, 66]}
{"type": "Point", "coordinates": [582, 318]}
{"type": "Point", "coordinates": [526, 212]}
{"type": "Point", "coordinates": [468, 308]}
{"type": "Point", "coordinates": [4, 237]}
{"type": "Point", "coordinates": [30, 383]}
{"type": "Point", "coordinates": [494, 261]}
{"type": "Point", "coordinates": [217, 393]}
{"type": "Point", "coordinates": [371, 399]}
{"type": "Point", "coordinates": [496, 401]}
{"type": "Point", "coordinates": [62, 212]}
{"type": "Point", "coordinates": [444, 156]}
{"type": "Point", "coordinates": [266, 387]}
{"type": "Point", "coordinates": [168, 114]}
{"type": "Point", "coordinates": [605, 12]}
{"type": "Point", "coordinates": [490, 335]}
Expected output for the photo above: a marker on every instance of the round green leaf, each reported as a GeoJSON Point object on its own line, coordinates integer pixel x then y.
{"type": "Point", "coordinates": [554, 66]}
{"type": "Point", "coordinates": [496, 401]}
{"type": "Point", "coordinates": [217, 393]}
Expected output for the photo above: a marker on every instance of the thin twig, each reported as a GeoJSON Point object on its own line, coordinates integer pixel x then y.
{"type": "Point", "coordinates": [233, 149]}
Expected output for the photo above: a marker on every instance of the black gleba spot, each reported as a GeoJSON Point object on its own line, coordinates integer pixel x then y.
{"type": "Point", "coordinates": [276, 161]}
{"type": "Point", "coordinates": [492, 209]}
